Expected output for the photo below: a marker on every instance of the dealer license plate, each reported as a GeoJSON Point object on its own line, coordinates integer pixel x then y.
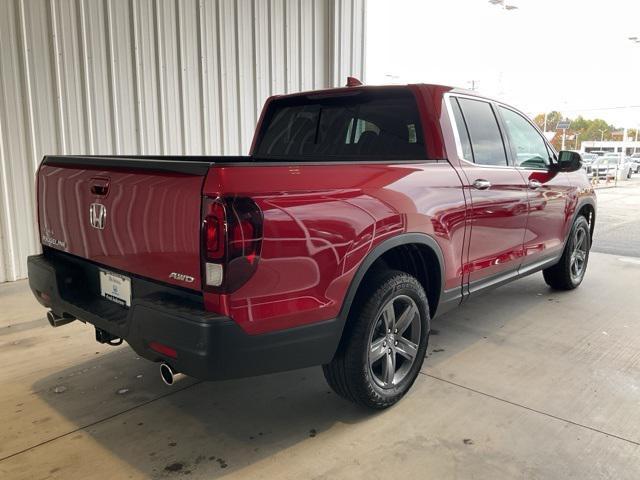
{"type": "Point", "coordinates": [116, 288]}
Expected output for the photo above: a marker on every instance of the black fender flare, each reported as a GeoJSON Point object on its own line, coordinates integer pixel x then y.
{"type": "Point", "coordinates": [376, 253]}
{"type": "Point", "coordinates": [581, 203]}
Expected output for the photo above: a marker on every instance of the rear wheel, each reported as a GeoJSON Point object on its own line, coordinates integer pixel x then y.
{"type": "Point", "coordinates": [384, 344]}
{"type": "Point", "coordinates": [568, 273]}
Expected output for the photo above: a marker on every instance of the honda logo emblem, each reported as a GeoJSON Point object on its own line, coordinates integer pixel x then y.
{"type": "Point", "coordinates": [97, 215]}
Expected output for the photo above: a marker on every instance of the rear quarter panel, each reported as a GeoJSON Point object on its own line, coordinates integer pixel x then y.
{"type": "Point", "coordinates": [321, 221]}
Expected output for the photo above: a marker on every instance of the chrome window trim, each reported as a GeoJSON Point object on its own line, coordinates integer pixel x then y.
{"type": "Point", "coordinates": [456, 135]}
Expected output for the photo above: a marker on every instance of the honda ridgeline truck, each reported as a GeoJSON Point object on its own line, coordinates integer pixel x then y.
{"type": "Point", "coordinates": [359, 215]}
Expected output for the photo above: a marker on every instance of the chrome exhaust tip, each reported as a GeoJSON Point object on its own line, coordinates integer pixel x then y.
{"type": "Point", "coordinates": [169, 375]}
{"type": "Point", "coordinates": [56, 320]}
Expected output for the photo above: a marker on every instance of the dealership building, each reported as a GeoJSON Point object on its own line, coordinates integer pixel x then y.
{"type": "Point", "coordinates": [617, 146]}
{"type": "Point", "coordinates": [156, 78]}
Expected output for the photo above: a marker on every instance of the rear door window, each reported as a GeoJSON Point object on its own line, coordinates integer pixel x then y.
{"type": "Point", "coordinates": [486, 140]}
{"type": "Point", "coordinates": [360, 126]}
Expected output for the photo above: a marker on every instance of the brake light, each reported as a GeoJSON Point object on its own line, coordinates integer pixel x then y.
{"type": "Point", "coordinates": [214, 229]}
{"type": "Point", "coordinates": [242, 241]}
{"type": "Point", "coordinates": [231, 242]}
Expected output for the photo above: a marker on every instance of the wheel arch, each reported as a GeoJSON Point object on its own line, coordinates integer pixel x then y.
{"type": "Point", "coordinates": [587, 209]}
{"type": "Point", "coordinates": [424, 251]}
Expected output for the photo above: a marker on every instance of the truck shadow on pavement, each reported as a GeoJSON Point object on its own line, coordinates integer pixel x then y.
{"type": "Point", "coordinates": [505, 315]}
{"type": "Point", "coordinates": [212, 428]}
{"type": "Point", "coordinates": [194, 427]}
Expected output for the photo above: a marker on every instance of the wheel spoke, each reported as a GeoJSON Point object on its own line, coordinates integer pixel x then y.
{"type": "Point", "coordinates": [389, 369]}
{"type": "Point", "coordinates": [579, 239]}
{"type": "Point", "coordinates": [579, 253]}
{"type": "Point", "coordinates": [406, 348]}
{"type": "Point", "coordinates": [389, 316]}
{"type": "Point", "coordinates": [377, 350]}
{"type": "Point", "coordinates": [405, 319]}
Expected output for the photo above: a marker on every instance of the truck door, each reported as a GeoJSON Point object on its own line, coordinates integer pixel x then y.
{"type": "Point", "coordinates": [549, 191]}
{"type": "Point", "coordinates": [498, 194]}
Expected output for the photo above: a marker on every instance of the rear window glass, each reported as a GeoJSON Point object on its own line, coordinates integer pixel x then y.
{"type": "Point", "coordinates": [365, 125]}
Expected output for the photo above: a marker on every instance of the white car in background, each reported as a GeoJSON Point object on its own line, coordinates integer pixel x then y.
{"type": "Point", "coordinates": [587, 160]}
{"type": "Point", "coordinates": [635, 162]}
{"type": "Point", "coordinates": [611, 166]}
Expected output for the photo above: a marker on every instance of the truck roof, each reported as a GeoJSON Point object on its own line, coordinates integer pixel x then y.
{"type": "Point", "coordinates": [343, 90]}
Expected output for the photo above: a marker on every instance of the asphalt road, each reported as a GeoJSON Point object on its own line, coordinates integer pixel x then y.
{"type": "Point", "coordinates": [618, 219]}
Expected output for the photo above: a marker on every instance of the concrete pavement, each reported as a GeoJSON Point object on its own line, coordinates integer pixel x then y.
{"type": "Point", "coordinates": [522, 382]}
{"type": "Point", "coordinates": [618, 223]}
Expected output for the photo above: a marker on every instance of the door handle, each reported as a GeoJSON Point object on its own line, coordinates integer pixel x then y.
{"type": "Point", "coordinates": [534, 184]}
{"type": "Point", "coordinates": [481, 184]}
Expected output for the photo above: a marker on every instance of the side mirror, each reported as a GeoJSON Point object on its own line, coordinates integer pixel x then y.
{"type": "Point", "coordinates": [568, 161]}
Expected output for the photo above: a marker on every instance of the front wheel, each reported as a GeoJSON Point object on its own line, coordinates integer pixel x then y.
{"type": "Point", "coordinates": [384, 343]}
{"type": "Point", "coordinates": [568, 273]}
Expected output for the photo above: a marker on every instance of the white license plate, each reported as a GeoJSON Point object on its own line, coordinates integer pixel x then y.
{"type": "Point", "coordinates": [116, 288]}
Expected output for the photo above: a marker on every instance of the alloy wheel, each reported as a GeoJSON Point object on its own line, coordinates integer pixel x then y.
{"type": "Point", "coordinates": [579, 254]}
{"type": "Point", "coordinates": [393, 341]}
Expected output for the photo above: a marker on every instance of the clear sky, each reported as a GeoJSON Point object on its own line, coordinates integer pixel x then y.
{"type": "Point", "coordinates": [568, 55]}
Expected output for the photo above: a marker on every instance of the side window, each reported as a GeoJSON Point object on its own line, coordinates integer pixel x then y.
{"type": "Point", "coordinates": [486, 141]}
{"type": "Point", "coordinates": [463, 134]}
{"type": "Point", "coordinates": [530, 149]}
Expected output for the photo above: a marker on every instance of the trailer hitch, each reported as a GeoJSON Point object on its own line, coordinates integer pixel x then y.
{"type": "Point", "coordinates": [102, 336]}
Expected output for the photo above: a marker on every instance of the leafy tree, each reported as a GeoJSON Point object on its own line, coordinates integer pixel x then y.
{"type": "Point", "coordinates": [552, 120]}
{"type": "Point", "coordinates": [585, 129]}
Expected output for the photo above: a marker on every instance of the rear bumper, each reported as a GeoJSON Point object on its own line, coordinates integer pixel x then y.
{"type": "Point", "coordinates": [209, 346]}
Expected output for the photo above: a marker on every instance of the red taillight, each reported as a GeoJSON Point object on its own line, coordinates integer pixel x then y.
{"type": "Point", "coordinates": [214, 229]}
{"type": "Point", "coordinates": [163, 349]}
{"type": "Point", "coordinates": [243, 242]}
{"type": "Point", "coordinates": [232, 238]}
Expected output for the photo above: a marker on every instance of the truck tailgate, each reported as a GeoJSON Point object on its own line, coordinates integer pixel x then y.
{"type": "Point", "coordinates": [140, 216]}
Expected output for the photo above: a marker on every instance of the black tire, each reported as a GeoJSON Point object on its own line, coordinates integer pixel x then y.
{"type": "Point", "coordinates": [562, 276]}
{"type": "Point", "coordinates": [350, 374]}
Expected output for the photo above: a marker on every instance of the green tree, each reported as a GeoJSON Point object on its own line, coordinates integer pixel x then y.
{"type": "Point", "coordinates": [586, 129]}
{"type": "Point", "coordinates": [552, 120]}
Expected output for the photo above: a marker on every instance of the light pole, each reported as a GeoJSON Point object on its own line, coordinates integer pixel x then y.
{"type": "Point", "coordinates": [602, 130]}
{"type": "Point", "coordinates": [635, 39]}
{"type": "Point", "coordinates": [563, 125]}
{"type": "Point", "coordinates": [577, 134]}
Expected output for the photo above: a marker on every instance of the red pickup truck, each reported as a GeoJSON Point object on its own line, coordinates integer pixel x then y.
{"type": "Point", "coordinates": [360, 214]}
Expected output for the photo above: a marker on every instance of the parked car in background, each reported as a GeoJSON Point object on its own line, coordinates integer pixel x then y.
{"type": "Point", "coordinates": [611, 167]}
{"type": "Point", "coordinates": [359, 215]}
{"type": "Point", "coordinates": [635, 162]}
{"type": "Point", "coordinates": [587, 160]}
